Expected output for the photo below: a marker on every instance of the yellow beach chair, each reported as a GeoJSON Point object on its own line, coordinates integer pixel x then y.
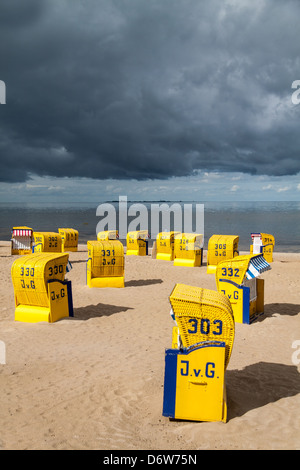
{"type": "Point", "coordinates": [137, 243]}
{"type": "Point", "coordinates": [194, 383]}
{"type": "Point", "coordinates": [239, 280]}
{"type": "Point", "coordinates": [263, 243]}
{"type": "Point", "coordinates": [21, 240]}
{"type": "Point", "coordinates": [165, 245]}
{"type": "Point", "coordinates": [41, 292]}
{"type": "Point", "coordinates": [69, 239]}
{"type": "Point", "coordinates": [220, 248]}
{"type": "Point", "coordinates": [47, 242]}
{"type": "Point", "coordinates": [105, 264]}
{"type": "Point", "coordinates": [188, 249]}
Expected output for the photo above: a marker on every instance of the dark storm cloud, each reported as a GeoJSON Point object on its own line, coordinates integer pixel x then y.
{"type": "Point", "coordinates": [148, 89]}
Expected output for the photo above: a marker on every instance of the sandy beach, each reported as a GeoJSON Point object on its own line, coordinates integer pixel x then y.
{"type": "Point", "coordinates": [95, 381]}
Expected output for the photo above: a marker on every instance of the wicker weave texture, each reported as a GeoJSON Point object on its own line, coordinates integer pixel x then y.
{"type": "Point", "coordinates": [69, 238]}
{"type": "Point", "coordinates": [106, 258]}
{"type": "Point", "coordinates": [47, 242]}
{"type": "Point", "coordinates": [188, 245]}
{"type": "Point", "coordinates": [31, 273]}
{"type": "Point", "coordinates": [203, 315]}
{"type": "Point", "coordinates": [221, 247]}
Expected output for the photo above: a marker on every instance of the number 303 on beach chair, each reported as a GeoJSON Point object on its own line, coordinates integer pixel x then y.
{"type": "Point", "coordinates": [194, 384]}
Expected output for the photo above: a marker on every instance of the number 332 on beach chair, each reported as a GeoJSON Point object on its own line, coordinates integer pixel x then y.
{"type": "Point", "coordinates": [41, 293]}
{"type": "Point", "coordinates": [237, 278]}
{"type": "Point", "coordinates": [194, 384]}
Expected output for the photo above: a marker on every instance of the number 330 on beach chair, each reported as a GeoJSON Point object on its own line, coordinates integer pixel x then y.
{"type": "Point", "coordinates": [194, 384]}
{"type": "Point", "coordinates": [41, 292]}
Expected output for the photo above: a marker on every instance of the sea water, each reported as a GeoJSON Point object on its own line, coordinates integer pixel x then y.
{"type": "Point", "coordinates": [281, 219]}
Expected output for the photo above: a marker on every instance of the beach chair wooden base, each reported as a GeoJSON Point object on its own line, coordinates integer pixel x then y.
{"type": "Point", "coordinates": [106, 282]}
{"type": "Point", "coordinates": [165, 256]}
{"type": "Point", "coordinates": [192, 263]}
{"type": "Point", "coordinates": [194, 386]}
{"type": "Point", "coordinates": [211, 269]}
{"type": "Point", "coordinates": [60, 305]}
{"type": "Point", "coordinates": [69, 248]}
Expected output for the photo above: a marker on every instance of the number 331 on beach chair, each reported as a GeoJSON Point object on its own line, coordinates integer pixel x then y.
{"type": "Point", "coordinates": [194, 384]}
{"type": "Point", "coordinates": [105, 264]}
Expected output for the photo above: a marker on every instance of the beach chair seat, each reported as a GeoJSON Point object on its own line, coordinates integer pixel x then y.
{"type": "Point", "coordinates": [238, 279]}
{"type": "Point", "coordinates": [220, 248]}
{"type": "Point", "coordinates": [188, 249]}
{"type": "Point", "coordinates": [105, 264]}
{"type": "Point", "coordinates": [137, 243]}
{"type": "Point", "coordinates": [40, 290]}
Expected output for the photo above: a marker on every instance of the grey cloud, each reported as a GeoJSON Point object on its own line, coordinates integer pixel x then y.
{"type": "Point", "coordinates": [138, 89]}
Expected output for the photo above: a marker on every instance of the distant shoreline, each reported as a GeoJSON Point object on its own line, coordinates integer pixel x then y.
{"type": "Point", "coordinates": [83, 247]}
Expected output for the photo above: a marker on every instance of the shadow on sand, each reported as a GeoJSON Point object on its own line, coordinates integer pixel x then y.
{"type": "Point", "coordinates": [259, 384]}
{"type": "Point", "coordinates": [97, 311]}
{"type": "Point", "coordinates": [142, 282]}
{"type": "Point", "coordinates": [280, 309]}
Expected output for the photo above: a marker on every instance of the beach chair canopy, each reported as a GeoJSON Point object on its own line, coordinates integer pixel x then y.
{"type": "Point", "coordinates": [193, 241]}
{"type": "Point", "coordinates": [257, 265]}
{"type": "Point", "coordinates": [138, 234]}
{"type": "Point", "coordinates": [22, 232]}
{"type": "Point", "coordinates": [240, 268]}
{"type": "Point", "coordinates": [202, 315]}
{"type": "Point", "coordinates": [108, 235]}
